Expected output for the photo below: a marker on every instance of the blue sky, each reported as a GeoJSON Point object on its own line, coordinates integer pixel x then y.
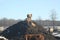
{"type": "Point", "coordinates": [18, 9]}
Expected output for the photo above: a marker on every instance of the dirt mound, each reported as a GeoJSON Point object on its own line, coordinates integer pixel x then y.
{"type": "Point", "coordinates": [22, 28]}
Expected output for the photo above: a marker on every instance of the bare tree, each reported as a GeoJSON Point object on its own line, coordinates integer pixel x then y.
{"type": "Point", "coordinates": [53, 17]}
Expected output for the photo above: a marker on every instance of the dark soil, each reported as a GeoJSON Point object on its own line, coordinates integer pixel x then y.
{"type": "Point", "coordinates": [21, 28]}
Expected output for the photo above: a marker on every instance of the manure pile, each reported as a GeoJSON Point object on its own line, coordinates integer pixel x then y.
{"type": "Point", "coordinates": [20, 29]}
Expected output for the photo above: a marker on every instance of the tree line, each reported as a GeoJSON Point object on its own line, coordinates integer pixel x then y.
{"type": "Point", "coordinates": [7, 22]}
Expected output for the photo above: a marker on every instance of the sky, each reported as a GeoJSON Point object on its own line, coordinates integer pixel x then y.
{"type": "Point", "coordinates": [18, 9]}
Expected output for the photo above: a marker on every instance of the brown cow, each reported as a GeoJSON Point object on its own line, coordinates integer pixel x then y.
{"type": "Point", "coordinates": [34, 37]}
